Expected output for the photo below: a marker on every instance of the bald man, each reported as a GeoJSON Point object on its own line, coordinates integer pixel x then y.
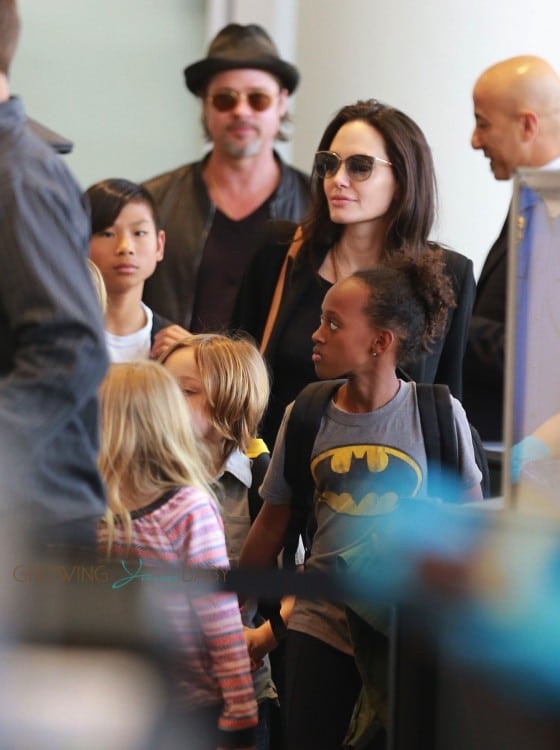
{"type": "Point", "coordinates": [517, 124]}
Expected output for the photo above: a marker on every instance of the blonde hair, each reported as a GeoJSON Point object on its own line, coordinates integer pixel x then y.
{"type": "Point", "coordinates": [236, 383]}
{"type": "Point", "coordinates": [98, 284]}
{"type": "Point", "coordinates": [147, 441]}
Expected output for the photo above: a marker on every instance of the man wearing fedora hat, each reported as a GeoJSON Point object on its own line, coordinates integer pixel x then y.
{"type": "Point", "coordinates": [213, 209]}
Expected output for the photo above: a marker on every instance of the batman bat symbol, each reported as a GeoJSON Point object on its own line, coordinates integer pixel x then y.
{"type": "Point", "coordinates": [365, 479]}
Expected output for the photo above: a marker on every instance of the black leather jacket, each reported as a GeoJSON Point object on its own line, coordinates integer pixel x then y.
{"type": "Point", "coordinates": [186, 213]}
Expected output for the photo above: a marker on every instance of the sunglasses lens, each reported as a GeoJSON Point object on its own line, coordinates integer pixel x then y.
{"type": "Point", "coordinates": [359, 166]}
{"type": "Point", "coordinates": [326, 165]}
{"type": "Point", "coordinates": [259, 100]}
{"type": "Point", "coordinates": [224, 101]}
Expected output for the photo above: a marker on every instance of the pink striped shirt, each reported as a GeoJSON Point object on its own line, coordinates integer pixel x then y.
{"type": "Point", "coordinates": [184, 530]}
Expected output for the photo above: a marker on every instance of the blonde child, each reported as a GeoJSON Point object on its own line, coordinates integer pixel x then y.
{"type": "Point", "coordinates": [162, 511]}
{"type": "Point", "coordinates": [225, 381]}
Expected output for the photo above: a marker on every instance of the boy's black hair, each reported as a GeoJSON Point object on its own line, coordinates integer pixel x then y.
{"type": "Point", "coordinates": [108, 198]}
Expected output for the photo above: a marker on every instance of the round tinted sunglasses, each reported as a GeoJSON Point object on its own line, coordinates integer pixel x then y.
{"type": "Point", "coordinates": [358, 166]}
{"type": "Point", "coordinates": [227, 99]}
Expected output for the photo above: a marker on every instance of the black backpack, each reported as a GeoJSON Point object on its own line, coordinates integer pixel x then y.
{"type": "Point", "coordinates": [438, 430]}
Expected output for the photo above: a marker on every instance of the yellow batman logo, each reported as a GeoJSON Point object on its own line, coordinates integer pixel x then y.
{"type": "Point", "coordinates": [364, 480]}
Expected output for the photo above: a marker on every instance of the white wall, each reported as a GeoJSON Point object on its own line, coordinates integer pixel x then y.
{"type": "Point", "coordinates": [107, 74]}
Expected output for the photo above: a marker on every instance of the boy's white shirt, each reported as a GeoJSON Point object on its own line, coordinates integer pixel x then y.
{"type": "Point", "coordinates": [133, 346]}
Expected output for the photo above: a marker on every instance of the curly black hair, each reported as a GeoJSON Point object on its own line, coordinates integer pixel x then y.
{"type": "Point", "coordinates": [411, 295]}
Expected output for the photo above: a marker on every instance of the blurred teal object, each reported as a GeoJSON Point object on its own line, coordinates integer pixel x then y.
{"type": "Point", "coordinates": [496, 586]}
{"type": "Point", "coordinates": [528, 449]}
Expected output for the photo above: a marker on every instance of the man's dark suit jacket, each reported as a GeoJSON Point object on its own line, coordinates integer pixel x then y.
{"type": "Point", "coordinates": [483, 376]}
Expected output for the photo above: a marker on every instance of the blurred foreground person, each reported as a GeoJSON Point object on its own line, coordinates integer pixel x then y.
{"type": "Point", "coordinates": [52, 349]}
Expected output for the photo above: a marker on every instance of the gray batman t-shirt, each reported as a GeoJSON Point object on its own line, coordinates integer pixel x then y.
{"type": "Point", "coordinates": [362, 464]}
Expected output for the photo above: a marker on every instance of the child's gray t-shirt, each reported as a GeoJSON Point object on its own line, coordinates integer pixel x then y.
{"type": "Point", "coordinates": [362, 464]}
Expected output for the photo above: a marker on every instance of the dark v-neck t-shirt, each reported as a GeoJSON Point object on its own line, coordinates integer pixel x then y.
{"type": "Point", "coordinates": [227, 252]}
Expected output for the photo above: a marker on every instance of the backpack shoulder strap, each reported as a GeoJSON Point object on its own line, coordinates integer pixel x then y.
{"type": "Point", "coordinates": [438, 430]}
{"type": "Point", "coordinates": [429, 422]}
{"type": "Point", "coordinates": [259, 454]}
{"type": "Point", "coordinates": [301, 431]}
{"type": "Point", "coordinates": [449, 442]}
{"type": "Point", "coordinates": [440, 436]}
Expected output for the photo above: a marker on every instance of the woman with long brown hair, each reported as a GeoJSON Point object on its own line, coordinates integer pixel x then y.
{"type": "Point", "coordinates": [374, 195]}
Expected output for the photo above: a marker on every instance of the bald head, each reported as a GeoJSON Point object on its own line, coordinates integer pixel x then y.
{"type": "Point", "coordinates": [524, 82]}
{"type": "Point", "coordinates": [517, 112]}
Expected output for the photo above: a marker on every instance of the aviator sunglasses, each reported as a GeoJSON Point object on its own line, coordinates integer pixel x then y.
{"type": "Point", "coordinates": [358, 166]}
{"type": "Point", "coordinates": [227, 99]}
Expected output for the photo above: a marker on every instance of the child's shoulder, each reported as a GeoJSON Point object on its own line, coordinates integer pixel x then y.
{"type": "Point", "coordinates": [175, 504]}
{"type": "Point", "coordinates": [190, 499]}
{"type": "Point", "coordinates": [189, 510]}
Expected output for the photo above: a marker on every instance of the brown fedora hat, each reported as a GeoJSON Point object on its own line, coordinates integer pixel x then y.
{"type": "Point", "coordinates": [237, 46]}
